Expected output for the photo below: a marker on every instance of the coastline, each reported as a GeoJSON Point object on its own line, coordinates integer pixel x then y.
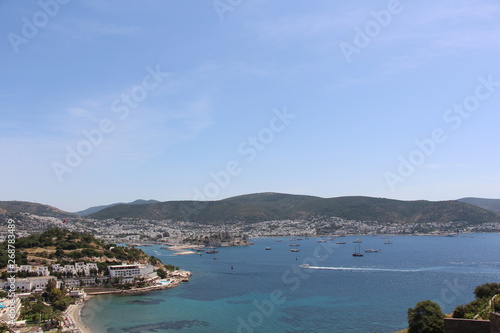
{"type": "Point", "coordinates": [73, 319]}
{"type": "Point", "coordinates": [186, 249]}
{"type": "Point", "coordinates": [147, 300]}
{"type": "Point", "coordinates": [72, 316]}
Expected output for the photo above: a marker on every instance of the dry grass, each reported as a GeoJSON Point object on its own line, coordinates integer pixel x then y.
{"type": "Point", "coordinates": [48, 249]}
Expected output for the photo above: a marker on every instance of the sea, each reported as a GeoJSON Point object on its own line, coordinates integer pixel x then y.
{"type": "Point", "coordinates": [251, 289]}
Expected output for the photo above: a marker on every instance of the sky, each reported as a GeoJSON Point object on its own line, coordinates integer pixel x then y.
{"type": "Point", "coordinates": [112, 101]}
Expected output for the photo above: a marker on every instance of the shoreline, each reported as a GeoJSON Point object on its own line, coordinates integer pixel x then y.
{"type": "Point", "coordinates": [72, 317]}
{"type": "Point", "coordinates": [187, 249]}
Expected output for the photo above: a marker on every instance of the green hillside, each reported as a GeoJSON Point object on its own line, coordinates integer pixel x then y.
{"type": "Point", "coordinates": [62, 246]}
{"type": "Point", "coordinates": [488, 204]}
{"type": "Point", "coordinates": [92, 210]}
{"type": "Point", "coordinates": [16, 207]}
{"type": "Point", "coordinates": [276, 206]}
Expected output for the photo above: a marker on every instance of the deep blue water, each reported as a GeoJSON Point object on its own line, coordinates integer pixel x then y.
{"type": "Point", "coordinates": [267, 291]}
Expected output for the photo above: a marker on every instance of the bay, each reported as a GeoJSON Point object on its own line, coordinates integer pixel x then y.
{"type": "Point", "coordinates": [267, 291]}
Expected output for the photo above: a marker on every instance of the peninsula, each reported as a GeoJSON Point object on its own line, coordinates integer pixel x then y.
{"type": "Point", "coordinates": [49, 276]}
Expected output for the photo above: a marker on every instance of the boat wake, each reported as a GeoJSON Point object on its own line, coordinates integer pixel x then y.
{"type": "Point", "coordinates": [441, 269]}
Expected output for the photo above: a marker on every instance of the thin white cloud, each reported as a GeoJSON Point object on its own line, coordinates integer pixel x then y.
{"type": "Point", "coordinates": [87, 29]}
{"type": "Point", "coordinates": [81, 113]}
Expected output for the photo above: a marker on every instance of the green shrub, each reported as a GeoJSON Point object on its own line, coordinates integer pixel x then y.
{"type": "Point", "coordinates": [427, 316]}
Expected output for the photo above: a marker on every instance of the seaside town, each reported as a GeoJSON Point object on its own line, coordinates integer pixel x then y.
{"type": "Point", "coordinates": [69, 262]}
{"type": "Point", "coordinates": [144, 231]}
{"type": "Point", "coordinates": [81, 258]}
{"type": "Point", "coordinates": [81, 282]}
{"type": "Point", "coordinates": [48, 293]}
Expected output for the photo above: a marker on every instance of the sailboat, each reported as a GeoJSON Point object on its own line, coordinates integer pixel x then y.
{"type": "Point", "coordinates": [357, 253]}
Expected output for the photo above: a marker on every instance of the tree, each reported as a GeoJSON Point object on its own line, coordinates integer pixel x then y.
{"type": "Point", "coordinates": [172, 267]}
{"type": "Point", "coordinates": [59, 253]}
{"type": "Point", "coordinates": [487, 290]}
{"type": "Point", "coordinates": [479, 306]}
{"type": "Point", "coordinates": [62, 303]}
{"type": "Point", "coordinates": [469, 311]}
{"type": "Point", "coordinates": [51, 285]}
{"type": "Point", "coordinates": [161, 273]}
{"type": "Point", "coordinates": [426, 317]}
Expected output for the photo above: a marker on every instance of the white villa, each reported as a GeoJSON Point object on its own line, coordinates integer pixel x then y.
{"type": "Point", "coordinates": [30, 283]}
{"type": "Point", "coordinates": [38, 270]}
{"type": "Point", "coordinates": [129, 272]}
{"type": "Point", "coordinates": [79, 267]}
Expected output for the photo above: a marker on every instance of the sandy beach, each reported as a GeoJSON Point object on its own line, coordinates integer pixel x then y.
{"type": "Point", "coordinates": [72, 315]}
{"type": "Point", "coordinates": [182, 253]}
{"type": "Point", "coordinates": [72, 318]}
{"type": "Point", "coordinates": [183, 249]}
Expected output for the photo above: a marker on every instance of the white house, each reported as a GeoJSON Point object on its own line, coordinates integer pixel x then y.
{"type": "Point", "coordinates": [131, 271]}
{"type": "Point", "coordinates": [30, 283]}
{"type": "Point", "coordinates": [38, 270]}
{"type": "Point", "coordinates": [79, 267]}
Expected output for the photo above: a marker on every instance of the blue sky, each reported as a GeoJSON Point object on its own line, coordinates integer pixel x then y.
{"type": "Point", "coordinates": [211, 99]}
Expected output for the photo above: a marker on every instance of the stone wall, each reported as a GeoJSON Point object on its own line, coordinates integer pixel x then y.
{"type": "Point", "coordinates": [495, 322]}
{"type": "Point", "coordinates": [455, 325]}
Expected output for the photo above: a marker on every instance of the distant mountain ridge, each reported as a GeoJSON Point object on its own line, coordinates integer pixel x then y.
{"type": "Point", "coordinates": [17, 207]}
{"type": "Point", "coordinates": [278, 206]}
{"type": "Point", "coordinates": [488, 204]}
{"type": "Point", "coordinates": [92, 210]}
{"type": "Point", "coordinates": [260, 207]}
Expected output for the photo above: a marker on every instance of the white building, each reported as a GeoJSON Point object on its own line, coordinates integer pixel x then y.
{"type": "Point", "coordinates": [30, 283]}
{"type": "Point", "coordinates": [79, 267]}
{"type": "Point", "coordinates": [132, 271]}
{"type": "Point", "coordinates": [38, 270]}
{"type": "Point", "coordinates": [84, 281]}
{"type": "Point", "coordinates": [92, 265]}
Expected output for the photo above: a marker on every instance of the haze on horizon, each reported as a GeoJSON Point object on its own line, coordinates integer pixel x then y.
{"type": "Point", "coordinates": [110, 102]}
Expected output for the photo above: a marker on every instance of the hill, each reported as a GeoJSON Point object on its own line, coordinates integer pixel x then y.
{"type": "Point", "coordinates": [17, 207]}
{"type": "Point", "coordinates": [60, 245]}
{"type": "Point", "coordinates": [492, 205]}
{"type": "Point", "coordinates": [277, 206]}
{"type": "Point", "coordinates": [92, 210]}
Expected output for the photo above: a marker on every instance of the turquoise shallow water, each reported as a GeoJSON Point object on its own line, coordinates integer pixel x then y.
{"type": "Point", "coordinates": [267, 291]}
